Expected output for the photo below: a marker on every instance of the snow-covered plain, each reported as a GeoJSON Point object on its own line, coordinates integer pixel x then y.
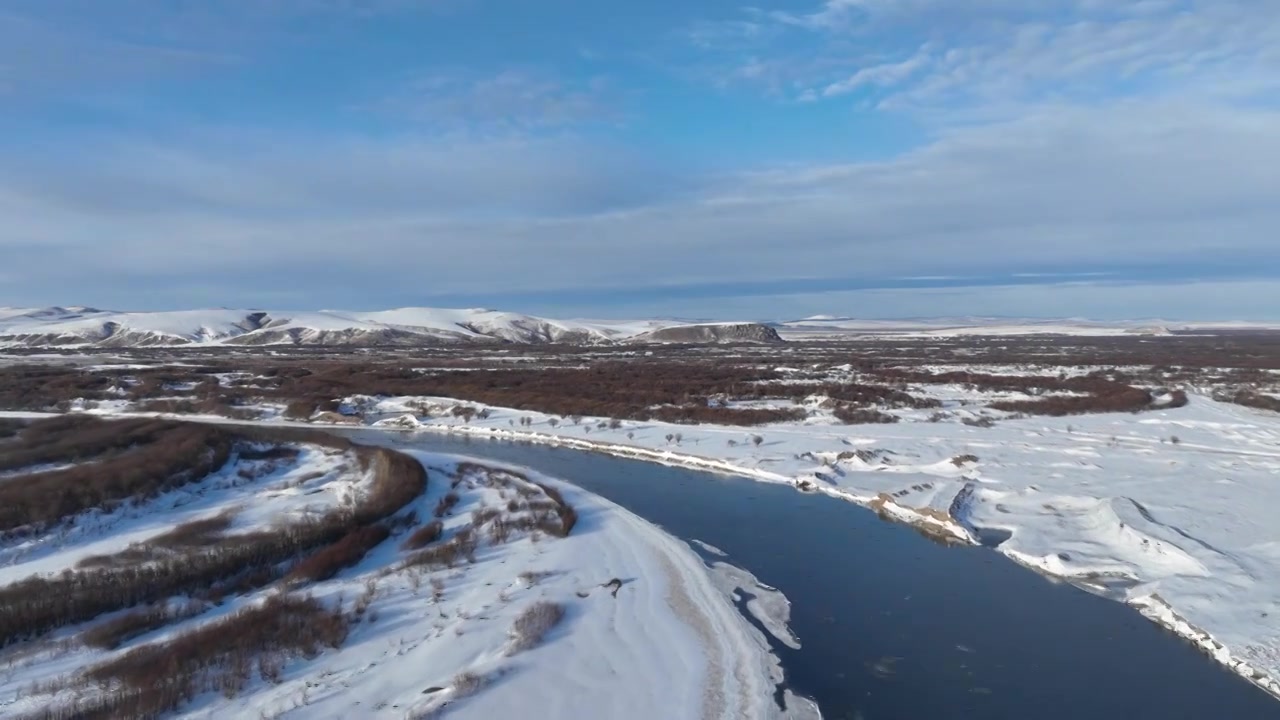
{"type": "Point", "coordinates": [668, 643]}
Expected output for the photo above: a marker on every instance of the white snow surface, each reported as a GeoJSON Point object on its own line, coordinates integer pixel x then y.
{"type": "Point", "coordinates": [669, 645]}
{"type": "Point", "coordinates": [820, 325]}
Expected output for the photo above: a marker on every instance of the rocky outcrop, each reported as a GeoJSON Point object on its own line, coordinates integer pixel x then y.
{"type": "Point", "coordinates": [711, 334]}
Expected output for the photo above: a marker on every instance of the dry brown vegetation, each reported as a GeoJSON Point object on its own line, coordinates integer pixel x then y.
{"type": "Point", "coordinates": [347, 551]}
{"type": "Point", "coordinates": [132, 460]}
{"type": "Point", "coordinates": [188, 561]}
{"type": "Point", "coordinates": [424, 536]}
{"type": "Point", "coordinates": [532, 624]}
{"type": "Point", "coordinates": [222, 656]}
{"type": "Point", "coordinates": [113, 633]}
{"type": "Point", "coordinates": [862, 416]}
{"type": "Point", "coordinates": [1250, 398]}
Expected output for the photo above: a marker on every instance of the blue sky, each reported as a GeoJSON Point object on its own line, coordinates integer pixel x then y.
{"type": "Point", "coordinates": [876, 158]}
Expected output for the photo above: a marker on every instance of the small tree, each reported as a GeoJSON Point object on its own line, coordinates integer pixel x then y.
{"type": "Point", "coordinates": [756, 440]}
{"type": "Point", "coordinates": [679, 437]}
{"type": "Point", "coordinates": [670, 437]}
{"type": "Point", "coordinates": [554, 422]}
{"type": "Point", "coordinates": [631, 436]}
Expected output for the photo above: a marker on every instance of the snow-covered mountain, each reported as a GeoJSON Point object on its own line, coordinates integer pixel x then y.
{"type": "Point", "coordinates": [84, 326]}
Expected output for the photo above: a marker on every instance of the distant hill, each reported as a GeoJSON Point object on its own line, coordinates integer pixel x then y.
{"type": "Point", "coordinates": [83, 326]}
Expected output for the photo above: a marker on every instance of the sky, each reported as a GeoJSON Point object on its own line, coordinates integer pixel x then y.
{"type": "Point", "coordinates": [698, 158]}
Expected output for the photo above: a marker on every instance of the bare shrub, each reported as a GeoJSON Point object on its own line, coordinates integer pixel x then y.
{"type": "Point", "coordinates": [330, 560]}
{"type": "Point", "coordinates": [467, 683]}
{"type": "Point", "coordinates": [424, 536]}
{"type": "Point", "coordinates": [301, 409]}
{"type": "Point", "coordinates": [158, 678]}
{"type": "Point", "coordinates": [136, 459]}
{"type": "Point", "coordinates": [446, 504]}
{"type": "Point", "coordinates": [863, 416]}
{"type": "Point", "coordinates": [111, 634]}
{"type": "Point", "coordinates": [532, 624]}
{"type": "Point", "coordinates": [482, 516]}
{"type": "Point", "coordinates": [499, 531]}
{"type": "Point", "coordinates": [244, 561]}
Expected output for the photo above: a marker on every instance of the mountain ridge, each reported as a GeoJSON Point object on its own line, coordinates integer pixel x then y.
{"type": "Point", "coordinates": [78, 326]}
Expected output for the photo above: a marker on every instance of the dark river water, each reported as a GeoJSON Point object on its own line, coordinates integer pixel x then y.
{"type": "Point", "coordinates": [895, 626]}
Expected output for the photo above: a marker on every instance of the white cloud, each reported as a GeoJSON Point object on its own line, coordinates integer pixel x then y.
{"type": "Point", "coordinates": [885, 74]}
{"type": "Point", "coordinates": [1009, 53]}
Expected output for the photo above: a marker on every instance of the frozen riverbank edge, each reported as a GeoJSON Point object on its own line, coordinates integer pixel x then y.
{"type": "Point", "coordinates": [938, 524]}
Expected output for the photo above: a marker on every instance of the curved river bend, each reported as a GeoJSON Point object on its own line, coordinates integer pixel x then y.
{"type": "Point", "coordinates": [895, 626]}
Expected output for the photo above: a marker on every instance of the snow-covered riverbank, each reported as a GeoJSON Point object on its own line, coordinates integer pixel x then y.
{"type": "Point", "coordinates": [648, 629]}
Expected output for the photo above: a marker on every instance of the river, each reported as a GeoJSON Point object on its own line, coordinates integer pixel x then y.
{"type": "Point", "coordinates": [893, 625]}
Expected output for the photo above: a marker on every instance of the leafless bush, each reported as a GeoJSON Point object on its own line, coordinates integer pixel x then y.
{"type": "Point", "coordinates": [332, 559]}
{"type": "Point", "coordinates": [462, 545]}
{"type": "Point", "coordinates": [499, 531]}
{"type": "Point", "coordinates": [424, 536]}
{"type": "Point", "coordinates": [481, 516]}
{"type": "Point", "coordinates": [110, 634]}
{"type": "Point", "coordinates": [446, 504]}
{"type": "Point", "coordinates": [134, 460]}
{"type": "Point", "coordinates": [981, 421]}
{"type": "Point", "coordinates": [863, 416]}
{"type": "Point", "coordinates": [467, 683]}
{"type": "Point", "coordinates": [158, 678]}
{"type": "Point", "coordinates": [1250, 398]}
{"type": "Point", "coordinates": [244, 561]}
{"type": "Point", "coordinates": [532, 624]}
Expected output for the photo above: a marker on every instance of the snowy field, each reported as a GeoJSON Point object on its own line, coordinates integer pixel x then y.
{"type": "Point", "coordinates": [643, 628]}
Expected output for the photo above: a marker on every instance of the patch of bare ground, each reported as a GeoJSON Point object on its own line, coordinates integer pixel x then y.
{"type": "Point", "coordinates": [936, 531]}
